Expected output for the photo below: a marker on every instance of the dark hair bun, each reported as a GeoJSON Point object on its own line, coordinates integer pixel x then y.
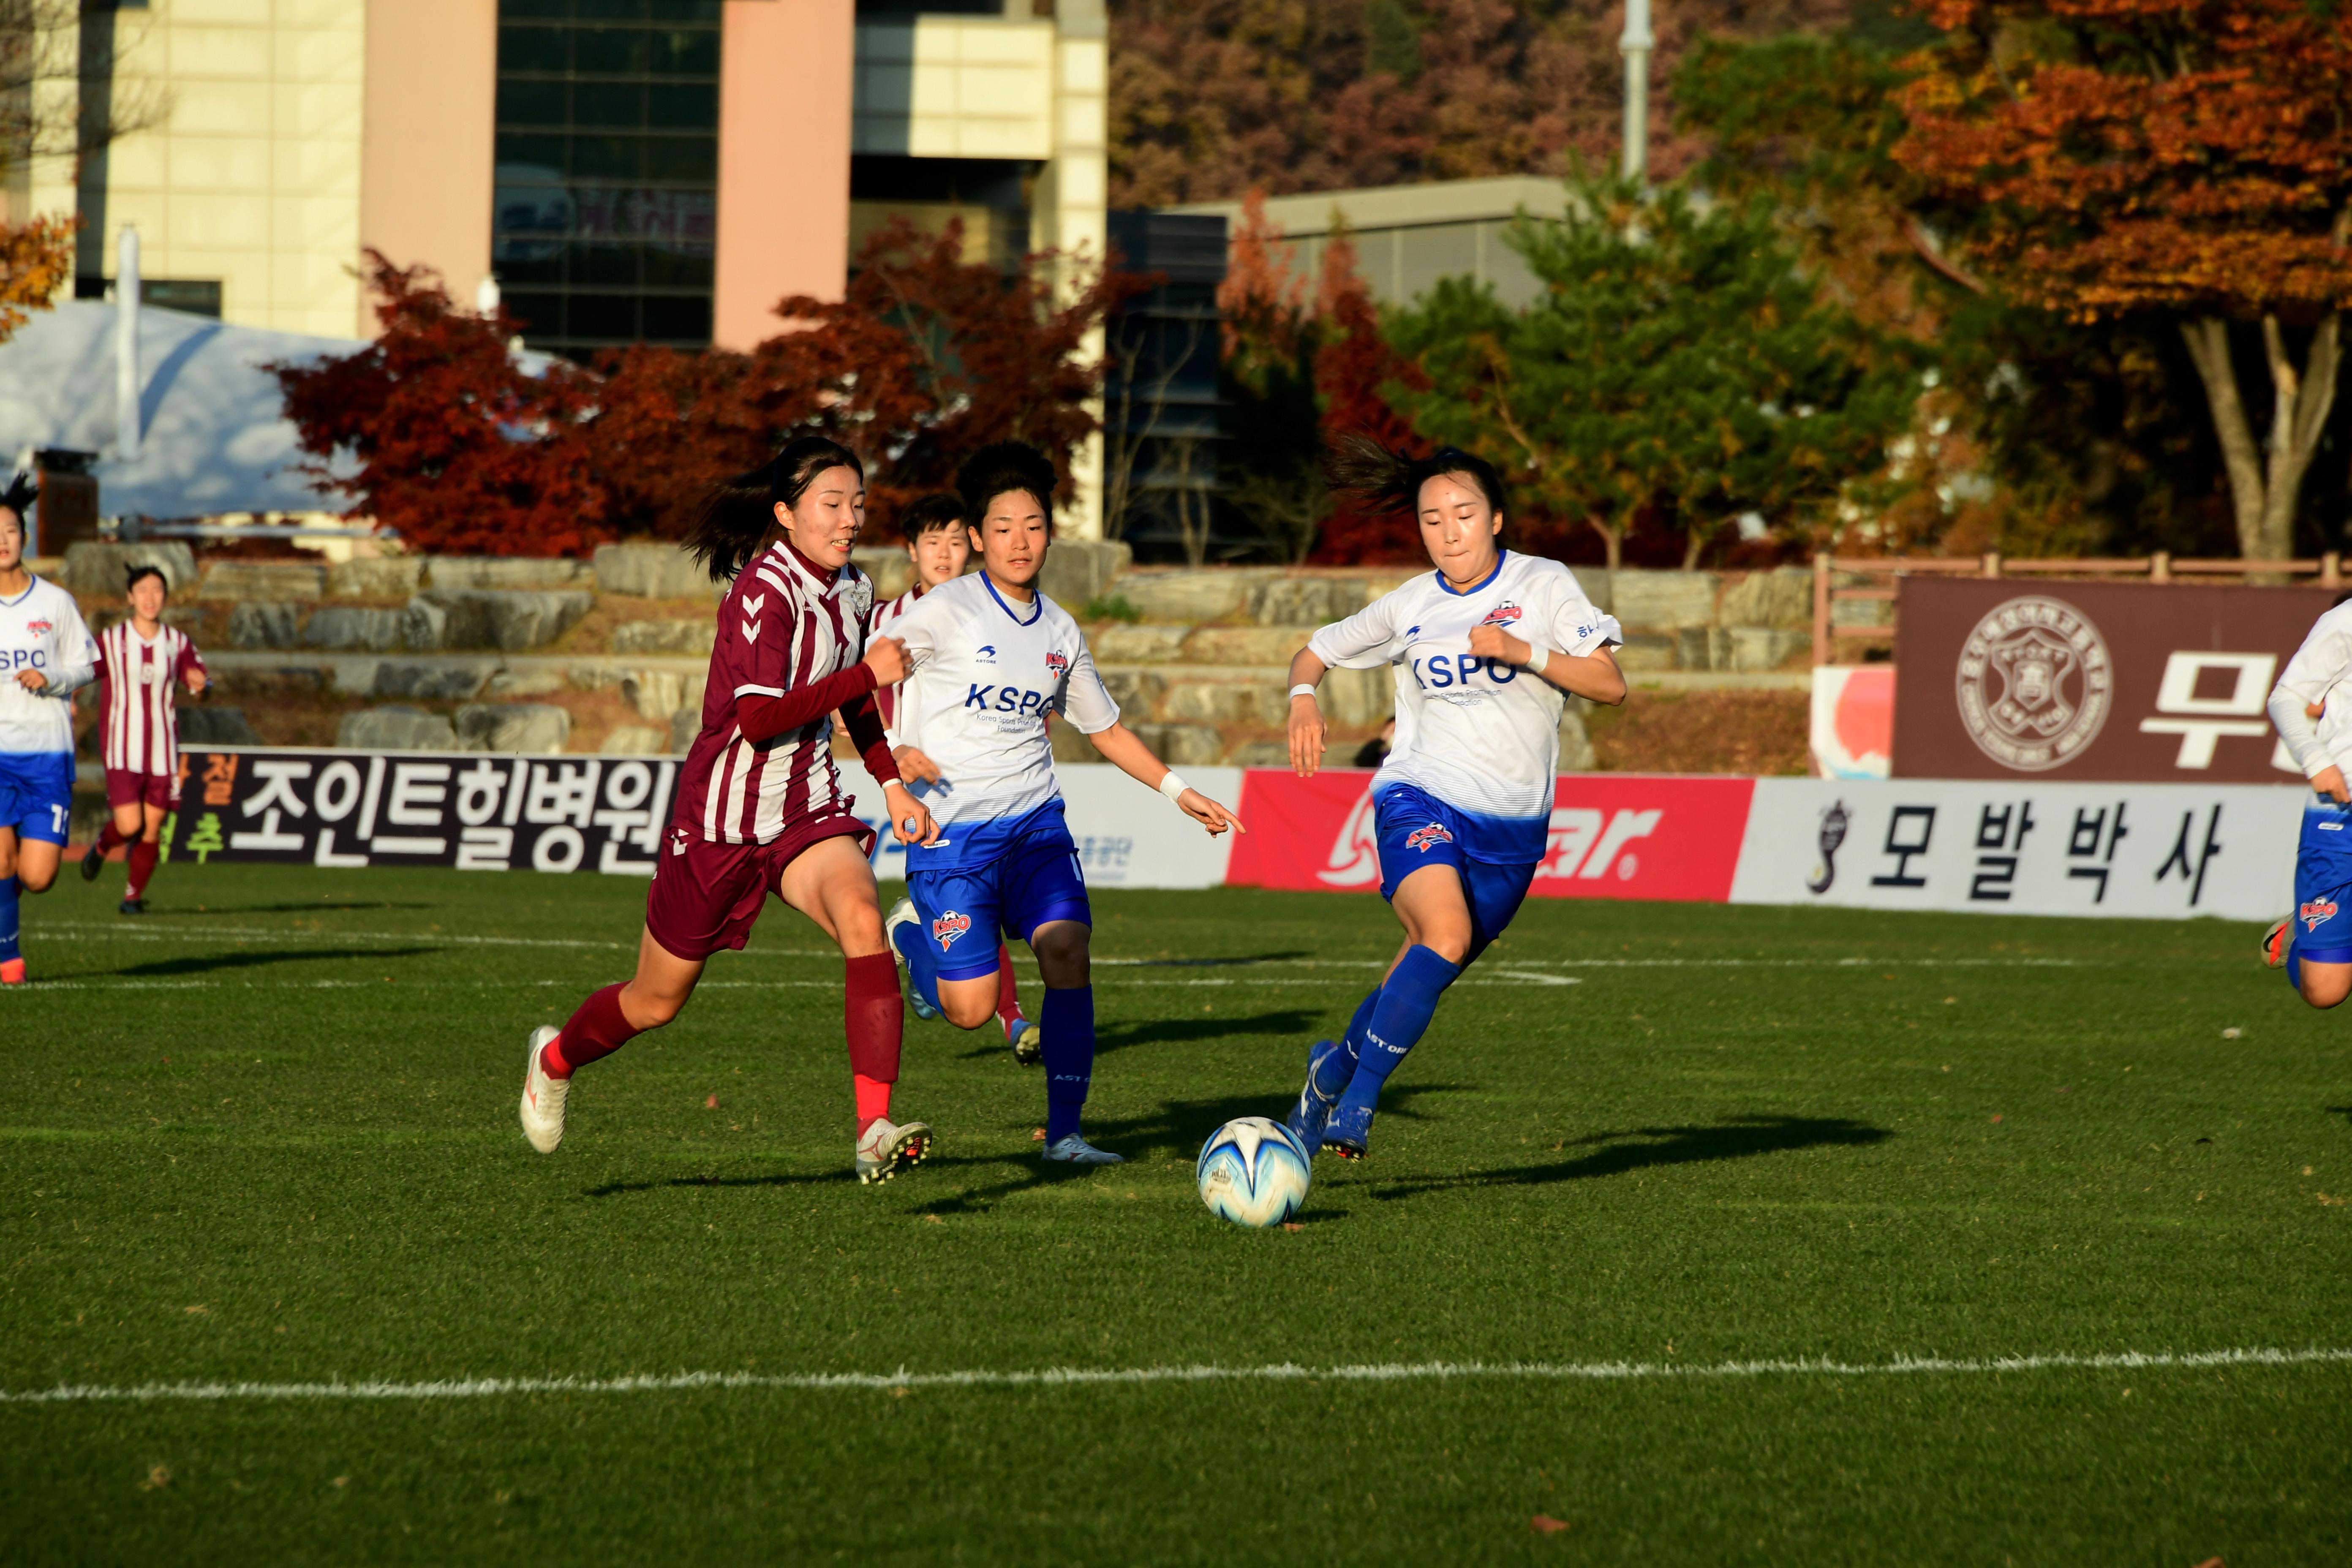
{"type": "Point", "coordinates": [1001, 468]}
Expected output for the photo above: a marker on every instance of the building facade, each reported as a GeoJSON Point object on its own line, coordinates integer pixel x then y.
{"type": "Point", "coordinates": [658, 170]}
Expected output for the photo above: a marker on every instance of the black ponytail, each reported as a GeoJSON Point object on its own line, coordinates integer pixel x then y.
{"type": "Point", "coordinates": [1391, 481]}
{"type": "Point", "coordinates": [737, 518]}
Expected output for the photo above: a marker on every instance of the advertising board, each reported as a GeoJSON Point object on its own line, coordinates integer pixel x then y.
{"type": "Point", "coordinates": [2120, 681]}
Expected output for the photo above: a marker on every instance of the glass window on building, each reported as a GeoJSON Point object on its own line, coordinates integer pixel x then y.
{"type": "Point", "coordinates": [604, 223]}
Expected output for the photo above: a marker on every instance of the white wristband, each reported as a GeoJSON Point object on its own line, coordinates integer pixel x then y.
{"type": "Point", "coordinates": [1304, 689]}
{"type": "Point", "coordinates": [1172, 787]}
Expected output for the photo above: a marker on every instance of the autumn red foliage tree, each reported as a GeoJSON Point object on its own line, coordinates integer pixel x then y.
{"type": "Point", "coordinates": [1353, 365]}
{"type": "Point", "coordinates": [2114, 155]}
{"type": "Point", "coordinates": [35, 261]}
{"type": "Point", "coordinates": [458, 448]}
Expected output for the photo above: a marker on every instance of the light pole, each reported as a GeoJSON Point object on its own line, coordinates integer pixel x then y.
{"type": "Point", "coordinates": [1635, 46]}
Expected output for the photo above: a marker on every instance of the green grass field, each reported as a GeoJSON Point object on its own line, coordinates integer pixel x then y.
{"type": "Point", "coordinates": [272, 1140]}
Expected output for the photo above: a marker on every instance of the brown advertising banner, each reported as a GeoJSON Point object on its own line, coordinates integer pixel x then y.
{"type": "Point", "coordinates": [2006, 677]}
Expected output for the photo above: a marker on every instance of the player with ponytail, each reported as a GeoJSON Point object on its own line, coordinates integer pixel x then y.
{"type": "Point", "coordinates": [760, 805]}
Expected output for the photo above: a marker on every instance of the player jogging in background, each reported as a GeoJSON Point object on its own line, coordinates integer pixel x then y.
{"type": "Point", "coordinates": [141, 662]}
{"type": "Point", "coordinates": [939, 546]}
{"type": "Point", "coordinates": [45, 655]}
{"type": "Point", "coordinates": [2311, 708]}
{"type": "Point", "coordinates": [1485, 648]}
{"type": "Point", "coordinates": [759, 807]}
{"type": "Point", "coordinates": [992, 655]}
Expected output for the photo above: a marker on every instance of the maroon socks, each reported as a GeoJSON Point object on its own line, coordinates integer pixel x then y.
{"type": "Point", "coordinates": [595, 1031]}
{"type": "Point", "coordinates": [874, 1019]}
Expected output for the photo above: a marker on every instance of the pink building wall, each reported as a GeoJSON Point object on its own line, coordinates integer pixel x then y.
{"type": "Point", "coordinates": [787, 70]}
{"type": "Point", "coordinates": [429, 139]}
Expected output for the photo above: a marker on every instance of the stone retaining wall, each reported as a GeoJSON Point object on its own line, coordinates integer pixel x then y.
{"type": "Point", "coordinates": [1195, 656]}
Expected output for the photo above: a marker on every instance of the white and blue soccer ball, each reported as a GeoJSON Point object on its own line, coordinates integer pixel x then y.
{"type": "Point", "coordinates": [1253, 1171]}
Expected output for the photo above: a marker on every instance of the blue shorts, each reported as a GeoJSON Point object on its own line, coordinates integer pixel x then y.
{"type": "Point", "coordinates": [963, 909]}
{"type": "Point", "coordinates": [2323, 884]}
{"type": "Point", "coordinates": [1417, 829]}
{"type": "Point", "coordinates": [37, 795]}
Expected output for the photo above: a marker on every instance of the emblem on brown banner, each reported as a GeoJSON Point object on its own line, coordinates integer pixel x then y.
{"type": "Point", "coordinates": [2036, 683]}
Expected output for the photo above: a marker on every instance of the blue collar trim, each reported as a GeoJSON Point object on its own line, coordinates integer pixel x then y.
{"type": "Point", "coordinates": [32, 582]}
{"type": "Point", "coordinates": [1036, 602]}
{"type": "Point", "coordinates": [1500, 556]}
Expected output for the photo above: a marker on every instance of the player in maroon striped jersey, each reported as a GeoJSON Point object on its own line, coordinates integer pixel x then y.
{"type": "Point", "coordinates": [142, 660]}
{"type": "Point", "coordinates": [760, 807]}
{"type": "Point", "coordinates": [939, 546]}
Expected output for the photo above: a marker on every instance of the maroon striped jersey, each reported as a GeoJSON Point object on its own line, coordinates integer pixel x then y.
{"type": "Point", "coordinates": [142, 724]}
{"type": "Point", "coordinates": [781, 627]}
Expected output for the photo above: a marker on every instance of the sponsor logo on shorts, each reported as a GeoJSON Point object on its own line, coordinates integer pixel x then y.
{"type": "Point", "coordinates": [1502, 615]}
{"type": "Point", "coordinates": [948, 927]}
{"type": "Point", "coordinates": [1420, 839]}
{"type": "Point", "coordinates": [2315, 913]}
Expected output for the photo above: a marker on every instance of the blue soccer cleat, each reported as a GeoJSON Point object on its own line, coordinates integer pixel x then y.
{"type": "Point", "coordinates": [1326, 1061]}
{"type": "Point", "coordinates": [1348, 1133]}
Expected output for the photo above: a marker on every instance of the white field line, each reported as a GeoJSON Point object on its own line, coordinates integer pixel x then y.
{"type": "Point", "coordinates": [1503, 978]}
{"type": "Point", "coordinates": [91, 930]}
{"type": "Point", "coordinates": [1066, 1377]}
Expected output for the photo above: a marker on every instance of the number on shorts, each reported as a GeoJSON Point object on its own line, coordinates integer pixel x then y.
{"type": "Point", "coordinates": [57, 819]}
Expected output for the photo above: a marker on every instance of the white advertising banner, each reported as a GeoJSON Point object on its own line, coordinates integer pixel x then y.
{"type": "Point", "coordinates": [2150, 851]}
{"type": "Point", "coordinates": [1128, 836]}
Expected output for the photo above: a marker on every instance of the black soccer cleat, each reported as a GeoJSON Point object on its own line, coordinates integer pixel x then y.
{"type": "Point", "coordinates": [93, 861]}
{"type": "Point", "coordinates": [133, 907]}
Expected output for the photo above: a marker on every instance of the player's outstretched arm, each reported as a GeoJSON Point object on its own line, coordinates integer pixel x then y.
{"type": "Point", "coordinates": [1124, 750]}
{"type": "Point", "coordinates": [1593, 677]}
{"type": "Point", "coordinates": [1309, 734]}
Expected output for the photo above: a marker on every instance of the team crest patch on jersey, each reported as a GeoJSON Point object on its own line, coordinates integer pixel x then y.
{"type": "Point", "coordinates": [1502, 615]}
{"type": "Point", "coordinates": [39, 628]}
{"type": "Point", "coordinates": [2315, 913]}
{"type": "Point", "coordinates": [1057, 664]}
{"type": "Point", "coordinates": [1420, 839]}
{"type": "Point", "coordinates": [948, 927]}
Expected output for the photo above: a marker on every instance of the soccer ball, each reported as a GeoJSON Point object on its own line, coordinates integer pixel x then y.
{"type": "Point", "coordinates": [1253, 1171]}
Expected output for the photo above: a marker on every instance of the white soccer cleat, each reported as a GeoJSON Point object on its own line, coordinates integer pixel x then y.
{"type": "Point", "coordinates": [902, 913]}
{"type": "Point", "coordinates": [1075, 1150]}
{"type": "Point", "coordinates": [2275, 942]}
{"type": "Point", "coordinates": [886, 1146]}
{"type": "Point", "coordinates": [542, 1097]}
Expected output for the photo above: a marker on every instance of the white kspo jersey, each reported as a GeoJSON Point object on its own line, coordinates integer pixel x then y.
{"type": "Point", "coordinates": [41, 629]}
{"type": "Point", "coordinates": [986, 667]}
{"type": "Point", "coordinates": [1482, 737]}
{"type": "Point", "coordinates": [2320, 671]}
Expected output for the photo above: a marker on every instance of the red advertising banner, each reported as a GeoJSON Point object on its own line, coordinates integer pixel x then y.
{"type": "Point", "coordinates": [1614, 836]}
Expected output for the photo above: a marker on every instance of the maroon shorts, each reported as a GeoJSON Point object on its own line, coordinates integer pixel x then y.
{"type": "Point", "coordinates": [707, 896]}
{"type": "Point", "coordinates": [124, 787]}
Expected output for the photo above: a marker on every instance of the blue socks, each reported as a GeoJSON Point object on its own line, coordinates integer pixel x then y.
{"type": "Point", "coordinates": [923, 963]}
{"type": "Point", "coordinates": [1333, 1072]}
{"type": "Point", "coordinates": [1068, 1020]}
{"type": "Point", "coordinates": [1399, 1017]}
{"type": "Point", "coordinates": [9, 889]}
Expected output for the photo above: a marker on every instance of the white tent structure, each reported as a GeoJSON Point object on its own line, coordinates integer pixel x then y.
{"type": "Point", "coordinates": [212, 434]}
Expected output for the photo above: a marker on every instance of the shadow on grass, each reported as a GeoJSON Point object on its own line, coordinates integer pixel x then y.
{"type": "Point", "coordinates": [1642, 1148]}
{"type": "Point", "coordinates": [209, 911]}
{"type": "Point", "coordinates": [213, 964]}
{"type": "Point", "coordinates": [1297, 1021]}
{"type": "Point", "coordinates": [1180, 1126]}
{"type": "Point", "coordinates": [838, 1176]}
